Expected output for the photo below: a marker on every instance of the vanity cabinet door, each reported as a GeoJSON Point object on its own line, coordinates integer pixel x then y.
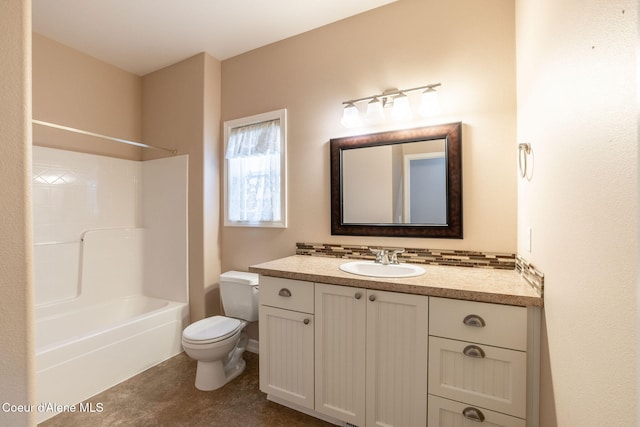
{"type": "Point", "coordinates": [286, 355]}
{"type": "Point", "coordinates": [371, 356]}
{"type": "Point", "coordinates": [397, 330]}
{"type": "Point", "coordinates": [340, 352]}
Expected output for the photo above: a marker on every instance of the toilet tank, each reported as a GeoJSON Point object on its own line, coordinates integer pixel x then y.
{"type": "Point", "coordinates": [239, 294]}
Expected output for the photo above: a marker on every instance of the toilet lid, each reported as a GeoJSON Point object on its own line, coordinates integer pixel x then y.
{"type": "Point", "coordinates": [212, 329]}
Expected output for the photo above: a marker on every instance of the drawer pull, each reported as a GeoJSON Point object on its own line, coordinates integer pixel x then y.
{"type": "Point", "coordinates": [475, 321]}
{"type": "Point", "coordinates": [358, 295]}
{"type": "Point", "coordinates": [473, 414]}
{"type": "Point", "coordinates": [474, 351]}
{"type": "Point", "coordinates": [372, 298]}
{"type": "Point", "coordinates": [284, 292]}
{"type": "Point", "coordinates": [306, 321]}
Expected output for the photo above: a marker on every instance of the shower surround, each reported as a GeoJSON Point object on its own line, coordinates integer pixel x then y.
{"type": "Point", "coordinates": [111, 278]}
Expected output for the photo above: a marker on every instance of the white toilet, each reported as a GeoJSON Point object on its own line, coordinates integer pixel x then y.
{"type": "Point", "coordinates": [217, 342]}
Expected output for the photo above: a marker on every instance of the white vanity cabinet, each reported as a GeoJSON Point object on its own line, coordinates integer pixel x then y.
{"type": "Point", "coordinates": [364, 357]}
{"type": "Point", "coordinates": [371, 356]}
{"type": "Point", "coordinates": [482, 364]}
{"type": "Point", "coordinates": [286, 340]}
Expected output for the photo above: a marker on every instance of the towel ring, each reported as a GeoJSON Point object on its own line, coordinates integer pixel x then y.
{"type": "Point", "coordinates": [524, 150]}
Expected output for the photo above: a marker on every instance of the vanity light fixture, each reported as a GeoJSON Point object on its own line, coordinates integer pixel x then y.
{"type": "Point", "coordinates": [351, 116]}
{"type": "Point", "coordinates": [429, 104]}
{"type": "Point", "coordinates": [401, 109]}
{"type": "Point", "coordinates": [395, 99]}
{"type": "Point", "coordinates": [375, 111]}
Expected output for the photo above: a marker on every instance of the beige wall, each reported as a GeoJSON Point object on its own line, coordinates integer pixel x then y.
{"type": "Point", "coordinates": [181, 110]}
{"type": "Point", "coordinates": [17, 364]}
{"type": "Point", "coordinates": [577, 107]}
{"type": "Point", "coordinates": [468, 46]}
{"type": "Point", "coordinates": [76, 90]}
{"type": "Point", "coordinates": [212, 179]}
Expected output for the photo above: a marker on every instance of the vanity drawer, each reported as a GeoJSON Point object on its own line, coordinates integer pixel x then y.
{"type": "Point", "coordinates": [482, 375]}
{"type": "Point", "coordinates": [479, 322]}
{"type": "Point", "coordinates": [447, 413]}
{"type": "Point", "coordinates": [288, 294]}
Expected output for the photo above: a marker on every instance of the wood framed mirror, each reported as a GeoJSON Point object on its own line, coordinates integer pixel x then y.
{"type": "Point", "coordinates": [403, 183]}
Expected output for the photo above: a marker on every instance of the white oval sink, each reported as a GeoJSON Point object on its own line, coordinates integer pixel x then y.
{"type": "Point", "coordinates": [372, 269]}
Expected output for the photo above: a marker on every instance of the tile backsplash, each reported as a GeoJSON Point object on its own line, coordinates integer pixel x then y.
{"type": "Point", "coordinates": [504, 261]}
{"type": "Point", "coordinates": [531, 274]}
{"type": "Point", "coordinates": [455, 258]}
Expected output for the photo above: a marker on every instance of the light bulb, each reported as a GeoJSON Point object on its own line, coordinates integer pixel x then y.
{"type": "Point", "coordinates": [375, 112]}
{"type": "Point", "coordinates": [351, 116]}
{"type": "Point", "coordinates": [401, 109]}
{"type": "Point", "coordinates": [429, 105]}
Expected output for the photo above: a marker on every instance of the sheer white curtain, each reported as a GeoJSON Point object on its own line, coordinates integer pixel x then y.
{"type": "Point", "coordinates": [253, 155]}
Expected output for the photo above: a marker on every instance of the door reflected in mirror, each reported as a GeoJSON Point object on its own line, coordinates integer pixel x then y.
{"type": "Point", "coordinates": [404, 183]}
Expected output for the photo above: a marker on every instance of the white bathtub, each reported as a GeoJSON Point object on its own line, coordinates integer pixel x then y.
{"type": "Point", "coordinates": [81, 351]}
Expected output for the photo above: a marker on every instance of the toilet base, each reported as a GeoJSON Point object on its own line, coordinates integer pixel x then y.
{"type": "Point", "coordinates": [213, 375]}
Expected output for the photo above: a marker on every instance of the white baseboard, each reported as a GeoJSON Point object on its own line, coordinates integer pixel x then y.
{"type": "Point", "coordinates": [253, 346]}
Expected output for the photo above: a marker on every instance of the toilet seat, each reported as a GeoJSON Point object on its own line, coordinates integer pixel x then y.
{"type": "Point", "coordinates": [211, 330]}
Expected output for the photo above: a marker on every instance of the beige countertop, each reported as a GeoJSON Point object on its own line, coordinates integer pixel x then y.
{"type": "Point", "coordinates": [474, 284]}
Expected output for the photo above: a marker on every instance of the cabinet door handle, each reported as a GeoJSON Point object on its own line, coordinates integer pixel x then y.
{"type": "Point", "coordinates": [358, 295]}
{"type": "Point", "coordinates": [284, 292]}
{"type": "Point", "coordinates": [372, 298]}
{"type": "Point", "coordinates": [474, 351]}
{"type": "Point", "coordinates": [475, 321]}
{"type": "Point", "coordinates": [473, 414]}
{"type": "Point", "coordinates": [306, 321]}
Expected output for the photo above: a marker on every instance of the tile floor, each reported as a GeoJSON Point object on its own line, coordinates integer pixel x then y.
{"type": "Point", "coordinates": [165, 395]}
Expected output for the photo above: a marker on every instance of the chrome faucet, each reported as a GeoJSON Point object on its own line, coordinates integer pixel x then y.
{"type": "Point", "coordinates": [383, 257]}
{"type": "Point", "coordinates": [394, 255]}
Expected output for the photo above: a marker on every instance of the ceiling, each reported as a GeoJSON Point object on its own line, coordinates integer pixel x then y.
{"type": "Point", "coordinates": [141, 36]}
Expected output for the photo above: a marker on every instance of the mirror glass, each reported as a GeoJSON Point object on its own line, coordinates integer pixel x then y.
{"type": "Point", "coordinates": [408, 182]}
{"type": "Point", "coordinates": [399, 183]}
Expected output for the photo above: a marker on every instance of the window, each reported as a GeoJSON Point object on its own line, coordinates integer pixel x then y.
{"type": "Point", "coordinates": [255, 171]}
